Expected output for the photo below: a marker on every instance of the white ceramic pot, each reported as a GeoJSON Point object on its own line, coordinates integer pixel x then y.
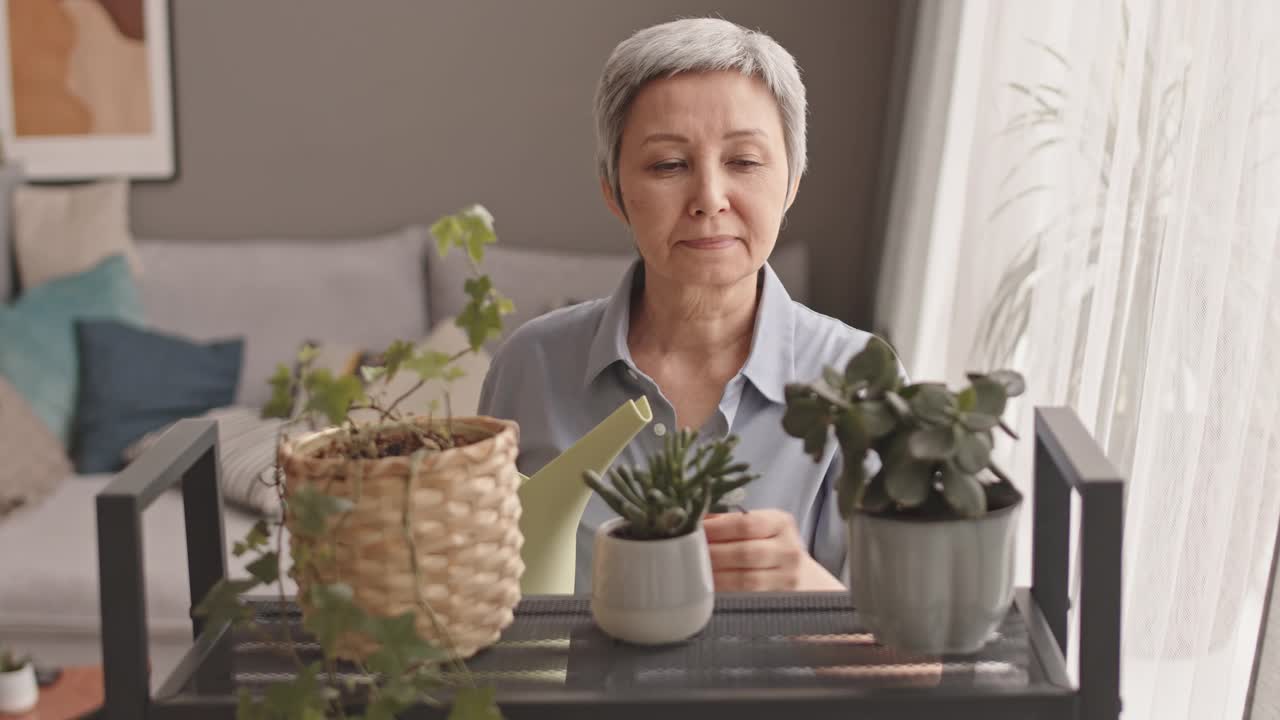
{"type": "Point", "coordinates": [651, 592]}
{"type": "Point", "coordinates": [933, 587]}
{"type": "Point", "coordinates": [18, 690]}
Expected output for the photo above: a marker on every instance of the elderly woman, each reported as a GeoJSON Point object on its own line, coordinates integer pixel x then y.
{"type": "Point", "coordinates": [700, 130]}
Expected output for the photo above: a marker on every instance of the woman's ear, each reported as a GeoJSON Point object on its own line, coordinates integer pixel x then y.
{"type": "Point", "coordinates": [607, 191]}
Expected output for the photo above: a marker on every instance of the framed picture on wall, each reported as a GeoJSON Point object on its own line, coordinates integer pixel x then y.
{"type": "Point", "coordinates": [85, 88]}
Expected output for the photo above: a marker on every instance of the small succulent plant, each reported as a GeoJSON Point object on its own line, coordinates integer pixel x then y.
{"type": "Point", "coordinates": [934, 444]}
{"type": "Point", "coordinates": [680, 485]}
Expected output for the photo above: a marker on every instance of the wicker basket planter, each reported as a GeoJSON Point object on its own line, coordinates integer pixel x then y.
{"type": "Point", "coordinates": [458, 509]}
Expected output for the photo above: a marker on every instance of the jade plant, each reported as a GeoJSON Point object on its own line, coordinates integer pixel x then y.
{"type": "Point", "coordinates": [405, 669]}
{"type": "Point", "coordinates": [934, 444]}
{"type": "Point", "coordinates": [677, 488]}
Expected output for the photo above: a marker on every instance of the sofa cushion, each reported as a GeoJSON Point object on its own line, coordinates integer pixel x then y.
{"type": "Point", "coordinates": [33, 460]}
{"type": "Point", "coordinates": [65, 230]}
{"type": "Point", "coordinates": [539, 281]}
{"type": "Point", "coordinates": [133, 381]}
{"type": "Point", "coordinates": [37, 336]}
{"type": "Point", "coordinates": [57, 588]}
{"type": "Point", "coordinates": [277, 293]}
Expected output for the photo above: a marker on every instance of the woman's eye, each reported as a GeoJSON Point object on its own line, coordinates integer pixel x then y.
{"type": "Point", "coordinates": [668, 165]}
{"type": "Point", "coordinates": [745, 162]}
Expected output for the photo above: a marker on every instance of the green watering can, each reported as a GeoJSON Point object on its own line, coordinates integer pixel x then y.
{"type": "Point", "coordinates": [553, 500]}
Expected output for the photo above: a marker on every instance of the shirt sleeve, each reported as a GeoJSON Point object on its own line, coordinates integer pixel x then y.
{"type": "Point", "coordinates": [828, 543]}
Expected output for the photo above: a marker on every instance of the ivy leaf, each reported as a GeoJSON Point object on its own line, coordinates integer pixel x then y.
{"type": "Point", "coordinates": [282, 387]}
{"type": "Point", "coordinates": [393, 357]}
{"type": "Point", "coordinates": [266, 569]}
{"type": "Point", "coordinates": [973, 453]}
{"type": "Point", "coordinates": [399, 645]}
{"type": "Point", "coordinates": [963, 492]}
{"type": "Point", "coordinates": [477, 225]}
{"type": "Point", "coordinates": [429, 364]}
{"type": "Point", "coordinates": [257, 538]}
{"type": "Point", "coordinates": [330, 396]}
{"type": "Point", "coordinates": [966, 399]}
{"type": "Point", "coordinates": [448, 233]}
{"type": "Point", "coordinates": [908, 483]}
{"type": "Point", "coordinates": [296, 698]}
{"type": "Point", "coordinates": [222, 602]}
{"type": "Point", "coordinates": [480, 321]}
{"type": "Point", "coordinates": [477, 288]}
{"type": "Point", "coordinates": [506, 305]}
{"type": "Point", "coordinates": [802, 415]}
{"type": "Point", "coordinates": [332, 614]}
{"type": "Point", "coordinates": [932, 443]}
{"type": "Point", "coordinates": [311, 509]}
{"type": "Point", "coordinates": [475, 704]}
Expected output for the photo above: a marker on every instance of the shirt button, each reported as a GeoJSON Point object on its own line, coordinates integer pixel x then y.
{"type": "Point", "coordinates": [659, 429]}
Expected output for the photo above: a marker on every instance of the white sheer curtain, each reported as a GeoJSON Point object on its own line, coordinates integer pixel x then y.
{"type": "Point", "coordinates": [1103, 214]}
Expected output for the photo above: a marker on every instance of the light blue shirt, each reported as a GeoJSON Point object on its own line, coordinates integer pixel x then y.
{"type": "Point", "coordinates": [562, 373]}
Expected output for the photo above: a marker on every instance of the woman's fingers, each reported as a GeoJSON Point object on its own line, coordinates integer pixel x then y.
{"type": "Point", "coordinates": [753, 525]}
{"type": "Point", "coordinates": [752, 554]}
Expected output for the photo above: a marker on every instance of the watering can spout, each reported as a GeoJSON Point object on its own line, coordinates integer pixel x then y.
{"type": "Point", "coordinates": [553, 500]}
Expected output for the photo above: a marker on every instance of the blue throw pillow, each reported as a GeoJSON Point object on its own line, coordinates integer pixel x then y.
{"type": "Point", "coordinates": [133, 381]}
{"type": "Point", "coordinates": [37, 335]}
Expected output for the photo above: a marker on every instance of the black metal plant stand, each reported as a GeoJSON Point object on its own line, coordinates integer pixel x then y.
{"type": "Point", "coordinates": [763, 654]}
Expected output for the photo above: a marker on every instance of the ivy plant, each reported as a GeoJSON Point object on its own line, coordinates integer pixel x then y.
{"type": "Point", "coordinates": [405, 669]}
{"type": "Point", "coordinates": [934, 444]}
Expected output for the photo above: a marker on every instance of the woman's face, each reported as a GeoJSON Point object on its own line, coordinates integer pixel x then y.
{"type": "Point", "coordinates": [703, 170]}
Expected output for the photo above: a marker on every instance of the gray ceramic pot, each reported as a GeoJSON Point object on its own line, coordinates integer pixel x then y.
{"type": "Point", "coordinates": [933, 587]}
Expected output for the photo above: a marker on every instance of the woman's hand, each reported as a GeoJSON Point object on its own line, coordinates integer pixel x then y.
{"type": "Point", "coordinates": [762, 550]}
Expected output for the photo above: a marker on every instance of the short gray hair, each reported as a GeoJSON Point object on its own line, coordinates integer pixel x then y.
{"type": "Point", "coordinates": [696, 45]}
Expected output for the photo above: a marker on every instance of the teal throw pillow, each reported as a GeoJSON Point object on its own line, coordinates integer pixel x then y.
{"type": "Point", "coordinates": [37, 335]}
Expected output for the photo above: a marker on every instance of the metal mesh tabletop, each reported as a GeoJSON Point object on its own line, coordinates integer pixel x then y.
{"type": "Point", "coordinates": [757, 641]}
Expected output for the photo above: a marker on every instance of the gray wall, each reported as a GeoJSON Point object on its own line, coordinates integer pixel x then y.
{"type": "Point", "coordinates": [333, 117]}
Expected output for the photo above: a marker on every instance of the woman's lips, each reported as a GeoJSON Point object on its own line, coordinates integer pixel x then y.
{"type": "Point", "coordinates": [710, 243]}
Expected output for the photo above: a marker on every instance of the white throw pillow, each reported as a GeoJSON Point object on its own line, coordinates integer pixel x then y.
{"type": "Point", "coordinates": [61, 231]}
{"type": "Point", "coordinates": [246, 451]}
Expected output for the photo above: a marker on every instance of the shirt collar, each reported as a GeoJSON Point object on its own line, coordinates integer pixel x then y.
{"type": "Point", "coordinates": [770, 365]}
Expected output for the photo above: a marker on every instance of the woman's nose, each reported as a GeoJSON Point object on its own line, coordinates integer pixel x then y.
{"type": "Point", "coordinates": [709, 197]}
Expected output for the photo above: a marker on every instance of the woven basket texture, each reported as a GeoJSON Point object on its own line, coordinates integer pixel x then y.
{"type": "Point", "coordinates": [458, 509]}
